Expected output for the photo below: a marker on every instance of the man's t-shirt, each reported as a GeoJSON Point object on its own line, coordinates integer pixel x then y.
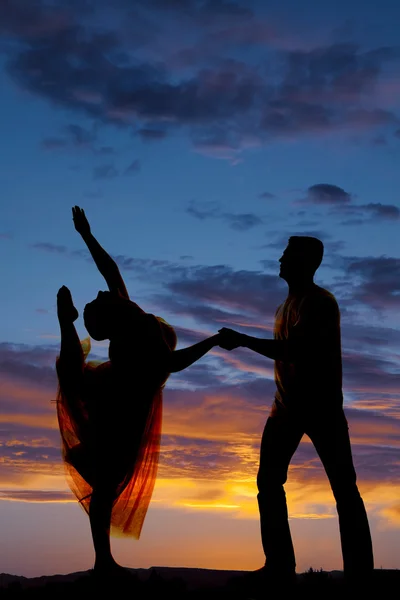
{"type": "Point", "coordinates": [312, 376]}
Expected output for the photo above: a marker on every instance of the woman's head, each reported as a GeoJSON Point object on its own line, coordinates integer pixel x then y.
{"type": "Point", "coordinates": [104, 316]}
{"type": "Point", "coordinates": [97, 316]}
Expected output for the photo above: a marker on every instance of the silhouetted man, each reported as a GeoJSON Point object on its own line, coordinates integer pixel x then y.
{"type": "Point", "coordinates": [308, 373]}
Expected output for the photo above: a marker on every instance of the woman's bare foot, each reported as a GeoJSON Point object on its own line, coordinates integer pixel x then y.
{"type": "Point", "coordinates": [65, 307]}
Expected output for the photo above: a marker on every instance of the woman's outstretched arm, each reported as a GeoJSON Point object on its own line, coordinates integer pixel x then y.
{"type": "Point", "coordinates": [181, 359]}
{"type": "Point", "coordinates": [105, 264]}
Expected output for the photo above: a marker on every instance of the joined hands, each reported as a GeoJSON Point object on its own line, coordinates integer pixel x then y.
{"type": "Point", "coordinates": [229, 339]}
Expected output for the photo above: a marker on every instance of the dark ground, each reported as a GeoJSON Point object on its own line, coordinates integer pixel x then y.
{"type": "Point", "coordinates": [196, 584]}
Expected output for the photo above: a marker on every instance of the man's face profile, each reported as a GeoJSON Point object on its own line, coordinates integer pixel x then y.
{"type": "Point", "coordinates": [286, 262]}
{"type": "Point", "coordinates": [292, 262]}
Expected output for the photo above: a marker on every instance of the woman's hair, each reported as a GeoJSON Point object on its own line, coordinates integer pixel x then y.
{"type": "Point", "coordinates": [168, 334]}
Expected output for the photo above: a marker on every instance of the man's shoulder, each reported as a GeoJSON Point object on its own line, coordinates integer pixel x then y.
{"type": "Point", "coordinates": [320, 298]}
{"type": "Point", "coordinates": [324, 294]}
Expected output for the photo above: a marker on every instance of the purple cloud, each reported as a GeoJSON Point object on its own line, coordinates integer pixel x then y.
{"type": "Point", "coordinates": [136, 74]}
{"type": "Point", "coordinates": [150, 135]}
{"type": "Point", "coordinates": [105, 172]}
{"type": "Point", "coordinates": [48, 247]}
{"type": "Point", "coordinates": [327, 193]}
{"type": "Point", "coordinates": [242, 222]}
{"type": "Point", "coordinates": [133, 168]}
{"type": "Point", "coordinates": [381, 211]}
{"type": "Point", "coordinates": [35, 496]}
{"type": "Point", "coordinates": [378, 283]}
{"type": "Point", "coordinates": [54, 143]}
{"type": "Point", "coordinates": [212, 210]}
{"type": "Point", "coordinates": [76, 137]}
{"type": "Point", "coordinates": [204, 210]}
{"type": "Point", "coordinates": [340, 203]}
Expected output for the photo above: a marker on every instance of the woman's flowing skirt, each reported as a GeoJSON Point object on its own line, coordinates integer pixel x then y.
{"type": "Point", "coordinates": [111, 442]}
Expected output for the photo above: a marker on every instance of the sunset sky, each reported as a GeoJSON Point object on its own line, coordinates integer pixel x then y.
{"type": "Point", "coordinates": [198, 136]}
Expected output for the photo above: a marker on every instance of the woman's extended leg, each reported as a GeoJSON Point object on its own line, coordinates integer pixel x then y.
{"type": "Point", "coordinates": [70, 363]}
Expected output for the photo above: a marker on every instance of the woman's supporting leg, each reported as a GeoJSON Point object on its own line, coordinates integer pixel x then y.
{"type": "Point", "coordinates": [100, 509]}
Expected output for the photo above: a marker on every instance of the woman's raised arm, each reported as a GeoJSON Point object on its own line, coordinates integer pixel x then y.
{"type": "Point", "coordinates": [105, 264]}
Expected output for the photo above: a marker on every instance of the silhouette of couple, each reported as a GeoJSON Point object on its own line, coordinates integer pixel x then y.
{"type": "Point", "coordinates": [110, 413]}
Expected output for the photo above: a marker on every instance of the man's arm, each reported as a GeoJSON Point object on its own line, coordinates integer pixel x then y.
{"type": "Point", "coordinates": [274, 349]}
{"type": "Point", "coordinates": [312, 337]}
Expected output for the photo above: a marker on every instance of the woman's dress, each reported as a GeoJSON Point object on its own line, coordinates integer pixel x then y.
{"type": "Point", "coordinates": [110, 422]}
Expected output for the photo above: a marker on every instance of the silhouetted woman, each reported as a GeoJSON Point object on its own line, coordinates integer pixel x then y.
{"type": "Point", "coordinates": [110, 413]}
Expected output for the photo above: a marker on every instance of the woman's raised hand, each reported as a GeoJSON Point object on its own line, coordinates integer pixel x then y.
{"type": "Point", "coordinates": [80, 221]}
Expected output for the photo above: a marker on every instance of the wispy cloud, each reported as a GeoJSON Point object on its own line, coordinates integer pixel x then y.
{"type": "Point", "coordinates": [107, 171]}
{"type": "Point", "coordinates": [341, 204]}
{"type": "Point", "coordinates": [133, 168]}
{"type": "Point", "coordinates": [192, 82]}
{"type": "Point", "coordinates": [211, 210]}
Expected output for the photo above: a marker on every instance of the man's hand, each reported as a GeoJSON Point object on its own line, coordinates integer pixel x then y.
{"type": "Point", "coordinates": [80, 221]}
{"type": "Point", "coordinates": [66, 310]}
{"type": "Point", "coordinates": [229, 339]}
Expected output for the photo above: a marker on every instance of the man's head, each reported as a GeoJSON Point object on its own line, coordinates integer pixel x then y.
{"type": "Point", "coordinates": [301, 258]}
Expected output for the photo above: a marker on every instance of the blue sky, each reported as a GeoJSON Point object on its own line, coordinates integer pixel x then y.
{"type": "Point", "coordinates": [198, 136]}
